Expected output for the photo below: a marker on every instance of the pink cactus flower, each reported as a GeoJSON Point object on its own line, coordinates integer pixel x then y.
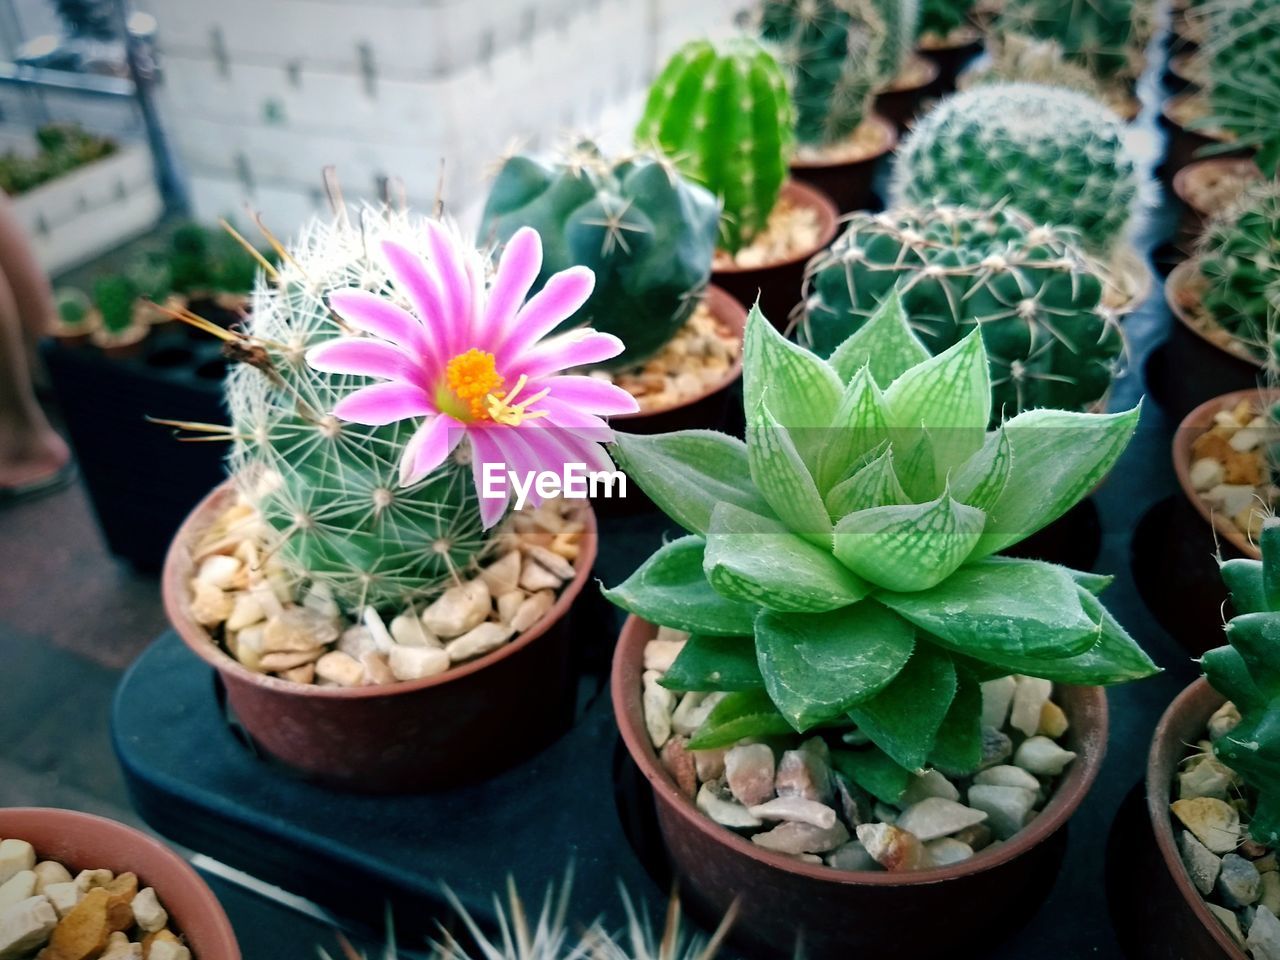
{"type": "Point", "coordinates": [475, 361]}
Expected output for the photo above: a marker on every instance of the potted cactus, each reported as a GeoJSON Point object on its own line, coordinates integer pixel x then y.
{"type": "Point", "coordinates": [948, 34]}
{"type": "Point", "coordinates": [376, 621]}
{"type": "Point", "coordinates": [835, 55]}
{"type": "Point", "coordinates": [769, 226]}
{"type": "Point", "coordinates": [838, 600]}
{"type": "Point", "coordinates": [76, 318]}
{"type": "Point", "coordinates": [121, 330]}
{"type": "Point", "coordinates": [908, 76]}
{"type": "Point", "coordinates": [648, 235]}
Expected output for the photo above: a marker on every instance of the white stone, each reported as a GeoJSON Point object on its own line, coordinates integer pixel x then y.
{"type": "Point", "coordinates": [87, 880]}
{"type": "Point", "coordinates": [659, 654]}
{"type": "Point", "coordinates": [532, 609]}
{"type": "Point", "coordinates": [997, 695]}
{"type": "Point", "coordinates": [1264, 935]}
{"type": "Point", "coordinates": [1042, 756]}
{"type": "Point", "coordinates": [1206, 473]}
{"type": "Point", "coordinates": [458, 610]}
{"type": "Point", "coordinates": [356, 641]}
{"type": "Point", "coordinates": [935, 817]}
{"type": "Point", "coordinates": [931, 783]}
{"type": "Point", "coordinates": [377, 671]}
{"type": "Point", "coordinates": [415, 663]}
{"type": "Point", "coordinates": [63, 896]}
{"type": "Point", "coordinates": [298, 628]}
{"type": "Point", "coordinates": [120, 948]}
{"type": "Point", "coordinates": [1207, 776]}
{"type": "Point", "coordinates": [1030, 694]}
{"type": "Point", "coordinates": [727, 813]}
{"type": "Point", "coordinates": [478, 641]}
{"type": "Point", "coordinates": [892, 848]}
{"type": "Point", "coordinates": [503, 575]}
{"type": "Point", "coordinates": [1225, 719]}
{"type": "Point", "coordinates": [382, 638]}
{"type": "Point", "coordinates": [852, 856]}
{"type": "Point", "coordinates": [693, 709]}
{"type": "Point", "coordinates": [552, 561]}
{"type": "Point", "coordinates": [148, 912]}
{"type": "Point", "coordinates": [319, 600]}
{"type": "Point", "coordinates": [340, 668]}
{"type": "Point", "coordinates": [21, 886]}
{"type": "Point", "coordinates": [245, 612]}
{"type": "Point", "coordinates": [24, 926]}
{"type": "Point", "coordinates": [749, 770]}
{"type": "Point", "coordinates": [659, 703]}
{"type": "Point", "coordinates": [1242, 441]}
{"type": "Point", "coordinates": [947, 850]}
{"type": "Point", "coordinates": [795, 837]}
{"type": "Point", "coordinates": [806, 772]}
{"type": "Point", "coordinates": [795, 809]}
{"type": "Point", "coordinates": [508, 605]}
{"type": "Point", "coordinates": [168, 950]}
{"type": "Point", "coordinates": [1215, 823]}
{"type": "Point", "coordinates": [1202, 866]}
{"type": "Point", "coordinates": [534, 576]}
{"type": "Point", "coordinates": [1006, 807]}
{"type": "Point", "coordinates": [15, 857]}
{"type": "Point", "coordinates": [218, 571]}
{"type": "Point", "coordinates": [408, 631]}
{"type": "Point", "coordinates": [1227, 919]}
{"type": "Point", "coordinates": [1231, 498]}
{"type": "Point", "coordinates": [50, 871]}
{"type": "Point", "coordinates": [1005, 775]}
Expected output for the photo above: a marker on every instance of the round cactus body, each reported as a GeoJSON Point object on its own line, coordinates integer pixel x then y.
{"type": "Point", "coordinates": [1056, 155]}
{"type": "Point", "coordinates": [724, 117]}
{"type": "Point", "coordinates": [647, 234]}
{"type": "Point", "coordinates": [1242, 50]}
{"type": "Point", "coordinates": [330, 489]}
{"type": "Point", "coordinates": [941, 18]}
{"type": "Point", "coordinates": [1049, 340]}
{"type": "Point", "coordinates": [1100, 35]}
{"type": "Point", "coordinates": [1240, 256]}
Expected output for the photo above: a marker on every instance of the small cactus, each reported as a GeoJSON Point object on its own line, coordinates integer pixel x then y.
{"type": "Point", "coordinates": [939, 19]}
{"type": "Point", "coordinates": [724, 117]}
{"type": "Point", "coordinates": [114, 296]}
{"type": "Point", "coordinates": [1240, 256]}
{"type": "Point", "coordinates": [1242, 50]}
{"type": "Point", "coordinates": [1099, 35]}
{"type": "Point", "coordinates": [73, 307]}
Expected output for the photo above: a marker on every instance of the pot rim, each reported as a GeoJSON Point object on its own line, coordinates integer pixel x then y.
{"type": "Point", "coordinates": [972, 39]}
{"type": "Point", "coordinates": [1208, 133]}
{"type": "Point", "coordinates": [932, 70]}
{"type": "Point", "coordinates": [891, 137]}
{"type": "Point", "coordinates": [173, 587]}
{"type": "Point", "coordinates": [724, 307]}
{"type": "Point", "coordinates": [226, 946]}
{"type": "Point", "coordinates": [1158, 790]}
{"type": "Point", "coordinates": [1199, 420]}
{"type": "Point", "coordinates": [1071, 791]}
{"type": "Point", "coordinates": [1182, 178]}
{"type": "Point", "coordinates": [803, 195]}
{"type": "Point", "coordinates": [1178, 278]}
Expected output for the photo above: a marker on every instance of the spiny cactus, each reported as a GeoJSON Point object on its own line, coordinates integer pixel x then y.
{"type": "Point", "coordinates": [114, 296]}
{"type": "Point", "coordinates": [723, 116]}
{"type": "Point", "coordinates": [1242, 50]}
{"type": "Point", "coordinates": [1018, 59]}
{"type": "Point", "coordinates": [1240, 256]}
{"type": "Point", "coordinates": [1247, 672]}
{"type": "Point", "coordinates": [941, 18]}
{"type": "Point", "coordinates": [1055, 155]}
{"type": "Point", "coordinates": [73, 306]}
{"type": "Point", "coordinates": [1098, 34]}
{"type": "Point", "coordinates": [331, 489]}
{"type": "Point", "coordinates": [647, 233]}
{"type": "Point", "coordinates": [1050, 341]}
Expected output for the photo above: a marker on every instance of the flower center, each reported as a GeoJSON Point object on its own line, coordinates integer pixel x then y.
{"type": "Point", "coordinates": [472, 391]}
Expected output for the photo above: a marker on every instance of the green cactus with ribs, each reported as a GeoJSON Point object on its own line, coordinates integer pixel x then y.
{"type": "Point", "coordinates": [647, 234]}
{"type": "Point", "coordinates": [1242, 53]}
{"type": "Point", "coordinates": [1048, 337]}
{"type": "Point", "coordinates": [1240, 257]}
{"type": "Point", "coordinates": [1104, 36]}
{"type": "Point", "coordinates": [724, 117]}
{"type": "Point", "coordinates": [939, 19]}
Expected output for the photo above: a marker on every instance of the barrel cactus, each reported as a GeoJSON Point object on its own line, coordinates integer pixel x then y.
{"type": "Point", "coordinates": [724, 117]}
{"type": "Point", "coordinates": [646, 232]}
{"type": "Point", "coordinates": [940, 19]}
{"type": "Point", "coordinates": [1018, 59]}
{"type": "Point", "coordinates": [1050, 341]}
{"type": "Point", "coordinates": [1100, 35]}
{"type": "Point", "coordinates": [1056, 155]}
{"type": "Point", "coordinates": [1240, 256]}
{"type": "Point", "coordinates": [1242, 51]}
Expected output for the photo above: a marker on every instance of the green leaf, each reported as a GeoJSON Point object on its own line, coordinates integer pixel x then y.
{"type": "Point", "coordinates": [916, 470]}
{"type": "Point", "coordinates": [686, 474]}
{"type": "Point", "coordinates": [857, 427]}
{"type": "Point", "coordinates": [949, 396]}
{"type": "Point", "coordinates": [903, 718]}
{"type": "Point", "coordinates": [874, 485]}
{"type": "Point", "coordinates": [981, 479]}
{"type": "Point", "coordinates": [1243, 579]}
{"type": "Point", "coordinates": [746, 713]}
{"type": "Point", "coordinates": [784, 481]}
{"type": "Point", "coordinates": [670, 589]}
{"type": "Point", "coordinates": [958, 749]}
{"type": "Point", "coordinates": [758, 560]}
{"type": "Point", "coordinates": [874, 772]}
{"type": "Point", "coordinates": [885, 343]}
{"type": "Point", "coordinates": [803, 390]}
{"type": "Point", "coordinates": [908, 547]}
{"type": "Point", "coordinates": [715, 663]}
{"type": "Point", "coordinates": [1095, 583]}
{"type": "Point", "coordinates": [1058, 457]}
{"type": "Point", "coordinates": [1001, 608]}
{"type": "Point", "coordinates": [818, 665]}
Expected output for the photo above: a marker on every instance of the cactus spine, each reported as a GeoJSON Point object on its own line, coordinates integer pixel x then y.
{"type": "Point", "coordinates": [1242, 51]}
{"type": "Point", "coordinates": [1240, 256]}
{"type": "Point", "coordinates": [1100, 35]}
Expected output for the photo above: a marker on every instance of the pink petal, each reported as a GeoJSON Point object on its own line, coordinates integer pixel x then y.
{"type": "Point", "coordinates": [364, 357]}
{"type": "Point", "coordinates": [449, 261]}
{"type": "Point", "coordinates": [416, 280]}
{"type": "Point", "coordinates": [484, 451]}
{"type": "Point", "coordinates": [383, 403]}
{"type": "Point", "coordinates": [591, 395]}
{"type": "Point", "coordinates": [428, 447]}
{"type": "Point", "coordinates": [588, 452]}
{"type": "Point", "coordinates": [558, 300]}
{"type": "Point", "coordinates": [519, 456]}
{"type": "Point", "coordinates": [572, 420]}
{"type": "Point", "coordinates": [517, 269]}
{"type": "Point", "coordinates": [576, 348]}
{"type": "Point", "coordinates": [561, 447]}
{"type": "Point", "coordinates": [377, 315]}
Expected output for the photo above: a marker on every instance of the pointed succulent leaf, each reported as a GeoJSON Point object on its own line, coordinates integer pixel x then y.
{"type": "Point", "coordinates": [885, 343]}
{"type": "Point", "coordinates": [686, 474]}
{"type": "Point", "coordinates": [1058, 457]}
{"type": "Point", "coordinates": [908, 547]}
{"type": "Point", "coordinates": [782, 478]}
{"type": "Point", "coordinates": [758, 560]}
{"type": "Point", "coordinates": [1227, 673]}
{"type": "Point", "coordinates": [858, 426]}
{"type": "Point", "coordinates": [874, 771]}
{"type": "Point", "coordinates": [874, 485]}
{"type": "Point", "coordinates": [1269, 544]}
{"type": "Point", "coordinates": [981, 479]}
{"type": "Point", "coordinates": [818, 665]}
{"type": "Point", "coordinates": [903, 719]}
{"type": "Point", "coordinates": [746, 713]}
{"type": "Point", "coordinates": [670, 589]}
{"type": "Point", "coordinates": [715, 663]}
{"type": "Point", "coordinates": [1256, 637]}
{"type": "Point", "coordinates": [958, 748]}
{"type": "Point", "coordinates": [916, 467]}
{"type": "Point", "coordinates": [1095, 583]}
{"type": "Point", "coordinates": [1243, 578]}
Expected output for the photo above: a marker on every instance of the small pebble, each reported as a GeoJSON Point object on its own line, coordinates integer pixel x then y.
{"type": "Point", "coordinates": [1042, 756]}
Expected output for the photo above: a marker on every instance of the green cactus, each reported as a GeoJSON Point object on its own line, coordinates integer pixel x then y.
{"type": "Point", "coordinates": [1240, 257]}
{"type": "Point", "coordinates": [1056, 155]}
{"type": "Point", "coordinates": [941, 18]}
{"type": "Point", "coordinates": [1050, 341]}
{"type": "Point", "coordinates": [114, 296]}
{"type": "Point", "coordinates": [1100, 35]}
{"type": "Point", "coordinates": [330, 489]}
{"type": "Point", "coordinates": [1242, 51]}
{"type": "Point", "coordinates": [724, 117]}
{"type": "Point", "coordinates": [1020, 59]}
{"type": "Point", "coordinates": [150, 276]}
{"type": "Point", "coordinates": [72, 305]}
{"type": "Point", "coordinates": [851, 540]}
{"type": "Point", "coordinates": [189, 258]}
{"type": "Point", "coordinates": [232, 268]}
{"type": "Point", "coordinates": [647, 233]}
{"type": "Point", "coordinates": [1247, 672]}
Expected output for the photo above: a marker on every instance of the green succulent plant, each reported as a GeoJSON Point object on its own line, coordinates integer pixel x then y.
{"type": "Point", "coordinates": [1055, 155]}
{"type": "Point", "coordinates": [723, 115]}
{"type": "Point", "coordinates": [648, 234]}
{"type": "Point", "coordinates": [941, 18]}
{"type": "Point", "coordinates": [114, 296]}
{"type": "Point", "coordinates": [850, 543]}
{"type": "Point", "coordinates": [1247, 672]}
{"type": "Point", "coordinates": [150, 276]}
{"type": "Point", "coordinates": [1100, 35]}
{"type": "Point", "coordinates": [1018, 59]}
{"type": "Point", "coordinates": [189, 258]}
{"type": "Point", "coordinates": [72, 305]}
{"type": "Point", "coordinates": [1240, 257]}
{"type": "Point", "coordinates": [1242, 51]}
{"type": "Point", "coordinates": [1037, 301]}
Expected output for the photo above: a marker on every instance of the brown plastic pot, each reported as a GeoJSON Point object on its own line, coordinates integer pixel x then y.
{"type": "Point", "coordinates": [80, 841]}
{"type": "Point", "coordinates": [454, 728]}
{"type": "Point", "coordinates": [1188, 184]}
{"type": "Point", "coordinates": [778, 285]}
{"type": "Point", "coordinates": [1184, 144]}
{"type": "Point", "coordinates": [950, 61]}
{"type": "Point", "coordinates": [899, 104]}
{"type": "Point", "coordinates": [849, 184]}
{"type": "Point", "coordinates": [842, 914]}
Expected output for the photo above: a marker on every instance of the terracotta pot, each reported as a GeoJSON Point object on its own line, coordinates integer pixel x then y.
{"type": "Point", "coordinates": [120, 346]}
{"type": "Point", "coordinates": [80, 841]}
{"type": "Point", "coordinates": [950, 61]}
{"type": "Point", "coordinates": [899, 104]}
{"type": "Point", "coordinates": [778, 285]}
{"type": "Point", "coordinates": [1184, 144]}
{"type": "Point", "coordinates": [454, 728]}
{"type": "Point", "coordinates": [843, 914]}
{"type": "Point", "coordinates": [1188, 184]}
{"type": "Point", "coordinates": [850, 184]}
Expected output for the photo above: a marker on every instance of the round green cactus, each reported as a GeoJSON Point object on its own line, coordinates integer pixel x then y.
{"type": "Point", "coordinates": [330, 489]}
{"type": "Point", "coordinates": [114, 296]}
{"type": "Point", "coordinates": [1048, 338]}
{"type": "Point", "coordinates": [1242, 51]}
{"type": "Point", "coordinates": [724, 117]}
{"type": "Point", "coordinates": [1240, 256]}
{"type": "Point", "coordinates": [72, 305]}
{"type": "Point", "coordinates": [941, 18]}
{"type": "Point", "coordinates": [1056, 155]}
{"type": "Point", "coordinates": [647, 234]}
{"type": "Point", "coordinates": [1018, 59]}
{"type": "Point", "coordinates": [1100, 35]}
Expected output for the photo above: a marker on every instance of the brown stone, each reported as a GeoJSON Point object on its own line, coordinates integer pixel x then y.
{"type": "Point", "coordinates": [1242, 468]}
{"type": "Point", "coordinates": [160, 936]}
{"type": "Point", "coordinates": [82, 934]}
{"type": "Point", "coordinates": [679, 762]}
{"type": "Point", "coordinates": [1212, 444]}
{"type": "Point", "coordinates": [121, 892]}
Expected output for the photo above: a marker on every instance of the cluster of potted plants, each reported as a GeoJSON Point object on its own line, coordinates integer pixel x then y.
{"type": "Point", "coordinates": [60, 148]}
